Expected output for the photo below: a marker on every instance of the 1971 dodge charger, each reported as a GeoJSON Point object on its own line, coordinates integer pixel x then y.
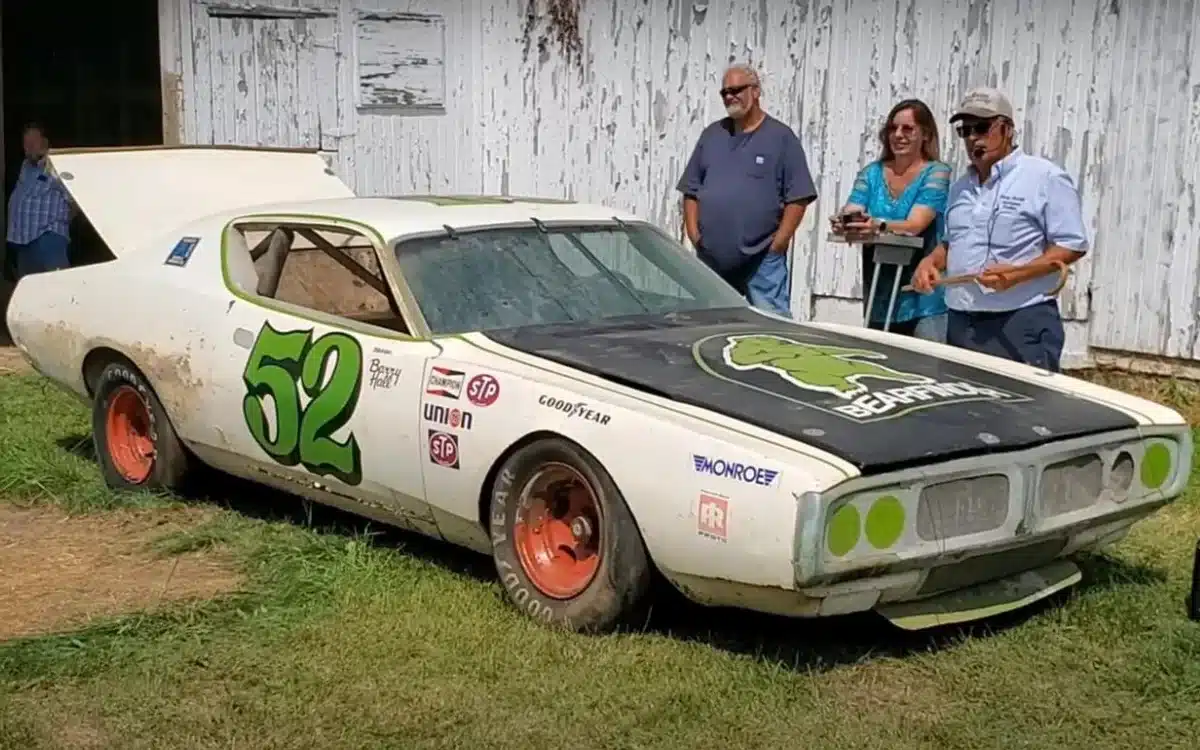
{"type": "Point", "coordinates": [567, 389]}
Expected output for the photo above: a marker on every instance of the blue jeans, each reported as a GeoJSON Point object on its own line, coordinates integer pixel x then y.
{"type": "Point", "coordinates": [1031, 335]}
{"type": "Point", "coordinates": [762, 279]}
{"type": "Point", "coordinates": [929, 328]}
{"type": "Point", "coordinates": [769, 288]}
{"type": "Point", "coordinates": [932, 328]}
{"type": "Point", "coordinates": [46, 253]}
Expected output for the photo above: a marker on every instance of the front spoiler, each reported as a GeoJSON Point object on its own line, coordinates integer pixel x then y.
{"type": "Point", "coordinates": [985, 599]}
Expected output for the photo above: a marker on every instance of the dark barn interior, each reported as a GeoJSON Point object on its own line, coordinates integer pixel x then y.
{"type": "Point", "coordinates": [88, 72]}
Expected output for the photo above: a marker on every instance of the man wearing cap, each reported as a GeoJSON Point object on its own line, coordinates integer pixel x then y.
{"type": "Point", "coordinates": [1010, 218]}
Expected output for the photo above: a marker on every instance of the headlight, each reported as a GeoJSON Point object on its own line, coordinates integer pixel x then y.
{"type": "Point", "coordinates": [878, 520]}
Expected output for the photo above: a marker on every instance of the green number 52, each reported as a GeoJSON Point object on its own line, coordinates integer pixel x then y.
{"type": "Point", "coordinates": [280, 364]}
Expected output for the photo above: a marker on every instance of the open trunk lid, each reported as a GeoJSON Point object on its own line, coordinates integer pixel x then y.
{"type": "Point", "coordinates": [133, 196]}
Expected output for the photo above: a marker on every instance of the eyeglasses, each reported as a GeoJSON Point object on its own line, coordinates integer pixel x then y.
{"type": "Point", "coordinates": [905, 129]}
{"type": "Point", "coordinates": [980, 127]}
{"type": "Point", "coordinates": [734, 90]}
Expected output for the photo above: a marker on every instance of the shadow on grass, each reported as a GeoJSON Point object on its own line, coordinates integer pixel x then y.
{"type": "Point", "coordinates": [264, 503]}
{"type": "Point", "coordinates": [1101, 571]}
{"type": "Point", "coordinates": [6, 290]}
{"type": "Point", "coordinates": [78, 445]}
{"type": "Point", "coordinates": [791, 643]}
{"type": "Point", "coordinates": [802, 644]}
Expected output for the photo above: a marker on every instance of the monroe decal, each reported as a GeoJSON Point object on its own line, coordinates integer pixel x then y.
{"type": "Point", "coordinates": [747, 473]}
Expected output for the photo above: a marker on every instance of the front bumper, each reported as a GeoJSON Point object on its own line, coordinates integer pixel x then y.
{"type": "Point", "coordinates": [929, 532]}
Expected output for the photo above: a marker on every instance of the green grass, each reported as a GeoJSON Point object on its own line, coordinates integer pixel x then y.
{"type": "Point", "coordinates": [349, 639]}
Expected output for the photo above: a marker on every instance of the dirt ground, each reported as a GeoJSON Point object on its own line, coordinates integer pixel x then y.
{"type": "Point", "coordinates": [11, 361]}
{"type": "Point", "coordinates": [62, 572]}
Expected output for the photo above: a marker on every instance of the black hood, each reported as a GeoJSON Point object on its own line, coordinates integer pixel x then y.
{"type": "Point", "coordinates": [876, 406]}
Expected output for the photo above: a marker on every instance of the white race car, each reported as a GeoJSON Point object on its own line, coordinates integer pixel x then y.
{"type": "Point", "coordinates": [567, 389]}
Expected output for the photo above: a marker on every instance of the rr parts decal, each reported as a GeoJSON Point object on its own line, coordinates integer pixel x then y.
{"type": "Point", "coordinates": [856, 383]}
{"type": "Point", "coordinates": [712, 516]}
{"type": "Point", "coordinates": [280, 365]}
{"type": "Point", "coordinates": [734, 470]}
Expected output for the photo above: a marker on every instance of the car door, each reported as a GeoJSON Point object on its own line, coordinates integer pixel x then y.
{"type": "Point", "coordinates": [325, 385]}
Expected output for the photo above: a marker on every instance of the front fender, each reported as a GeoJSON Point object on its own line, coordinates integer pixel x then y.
{"type": "Point", "coordinates": [710, 501]}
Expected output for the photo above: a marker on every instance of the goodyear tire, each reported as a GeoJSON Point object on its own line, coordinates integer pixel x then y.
{"type": "Point", "coordinates": [566, 547]}
{"type": "Point", "coordinates": [136, 446]}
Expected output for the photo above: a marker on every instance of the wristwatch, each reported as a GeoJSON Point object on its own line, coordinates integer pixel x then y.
{"type": "Point", "coordinates": [882, 227]}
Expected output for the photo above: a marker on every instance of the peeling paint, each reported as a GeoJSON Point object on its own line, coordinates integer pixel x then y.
{"type": "Point", "coordinates": [170, 375]}
{"type": "Point", "coordinates": [1111, 91]}
{"type": "Point", "coordinates": [399, 60]}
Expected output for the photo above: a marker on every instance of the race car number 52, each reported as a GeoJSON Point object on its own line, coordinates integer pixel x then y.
{"type": "Point", "coordinates": [279, 365]}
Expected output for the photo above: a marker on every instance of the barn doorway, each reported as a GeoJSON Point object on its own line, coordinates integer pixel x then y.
{"type": "Point", "coordinates": [89, 73]}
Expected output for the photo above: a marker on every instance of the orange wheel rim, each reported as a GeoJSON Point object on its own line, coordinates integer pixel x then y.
{"type": "Point", "coordinates": [127, 429]}
{"type": "Point", "coordinates": [557, 531]}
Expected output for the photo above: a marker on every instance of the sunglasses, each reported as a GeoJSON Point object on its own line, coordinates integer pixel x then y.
{"type": "Point", "coordinates": [734, 90]}
{"type": "Point", "coordinates": [905, 129]}
{"type": "Point", "coordinates": [980, 127]}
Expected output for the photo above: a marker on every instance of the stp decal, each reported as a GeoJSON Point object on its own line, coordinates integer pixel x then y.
{"type": "Point", "coordinates": [445, 382]}
{"type": "Point", "coordinates": [483, 390]}
{"type": "Point", "coordinates": [443, 449]}
{"type": "Point", "coordinates": [712, 516]}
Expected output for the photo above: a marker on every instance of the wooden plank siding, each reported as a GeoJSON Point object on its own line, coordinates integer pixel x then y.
{"type": "Point", "coordinates": [1109, 89]}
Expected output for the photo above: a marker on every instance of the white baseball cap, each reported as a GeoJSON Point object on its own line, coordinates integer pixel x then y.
{"type": "Point", "coordinates": [984, 103]}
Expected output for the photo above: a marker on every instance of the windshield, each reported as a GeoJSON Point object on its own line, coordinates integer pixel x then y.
{"type": "Point", "coordinates": [516, 276]}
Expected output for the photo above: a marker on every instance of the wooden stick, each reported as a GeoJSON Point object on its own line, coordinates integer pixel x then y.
{"type": "Point", "coordinates": [966, 278]}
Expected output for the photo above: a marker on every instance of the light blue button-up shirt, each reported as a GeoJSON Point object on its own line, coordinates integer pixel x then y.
{"type": "Point", "coordinates": [1027, 204]}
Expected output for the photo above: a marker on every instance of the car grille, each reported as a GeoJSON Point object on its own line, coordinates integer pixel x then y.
{"type": "Point", "coordinates": [962, 506]}
{"type": "Point", "coordinates": [1071, 485]}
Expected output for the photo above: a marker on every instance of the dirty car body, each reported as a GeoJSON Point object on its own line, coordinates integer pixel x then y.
{"type": "Point", "coordinates": [564, 387]}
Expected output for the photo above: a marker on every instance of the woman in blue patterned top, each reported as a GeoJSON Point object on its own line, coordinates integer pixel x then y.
{"type": "Point", "coordinates": [903, 192]}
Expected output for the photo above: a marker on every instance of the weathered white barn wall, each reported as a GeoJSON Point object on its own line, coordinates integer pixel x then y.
{"type": "Point", "coordinates": [1110, 89]}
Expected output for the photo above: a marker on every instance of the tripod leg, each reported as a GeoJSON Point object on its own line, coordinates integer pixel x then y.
{"type": "Point", "coordinates": [887, 322]}
{"type": "Point", "coordinates": [871, 296]}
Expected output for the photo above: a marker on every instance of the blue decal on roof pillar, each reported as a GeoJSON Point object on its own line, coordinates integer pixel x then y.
{"type": "Point", "coordinates": [182, 252]}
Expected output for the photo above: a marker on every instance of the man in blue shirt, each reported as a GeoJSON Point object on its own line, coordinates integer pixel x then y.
{"type": "Point", "coordinates": [1009, 219]}
{"type": "Point", "coordinates": [39, 211]}
{"type": "Point", "coordinates": [745, 190]}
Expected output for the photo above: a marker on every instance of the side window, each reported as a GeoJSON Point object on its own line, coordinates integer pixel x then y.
{"type": "Point", "coordinates": [332, 270]}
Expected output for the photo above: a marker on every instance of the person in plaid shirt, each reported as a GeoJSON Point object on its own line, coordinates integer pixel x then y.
{"type": "Point", "coordinates": [39, 211]}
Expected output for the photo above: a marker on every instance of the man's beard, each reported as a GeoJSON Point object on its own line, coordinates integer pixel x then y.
{"type": "Point", "coordinates": [735, 110]}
